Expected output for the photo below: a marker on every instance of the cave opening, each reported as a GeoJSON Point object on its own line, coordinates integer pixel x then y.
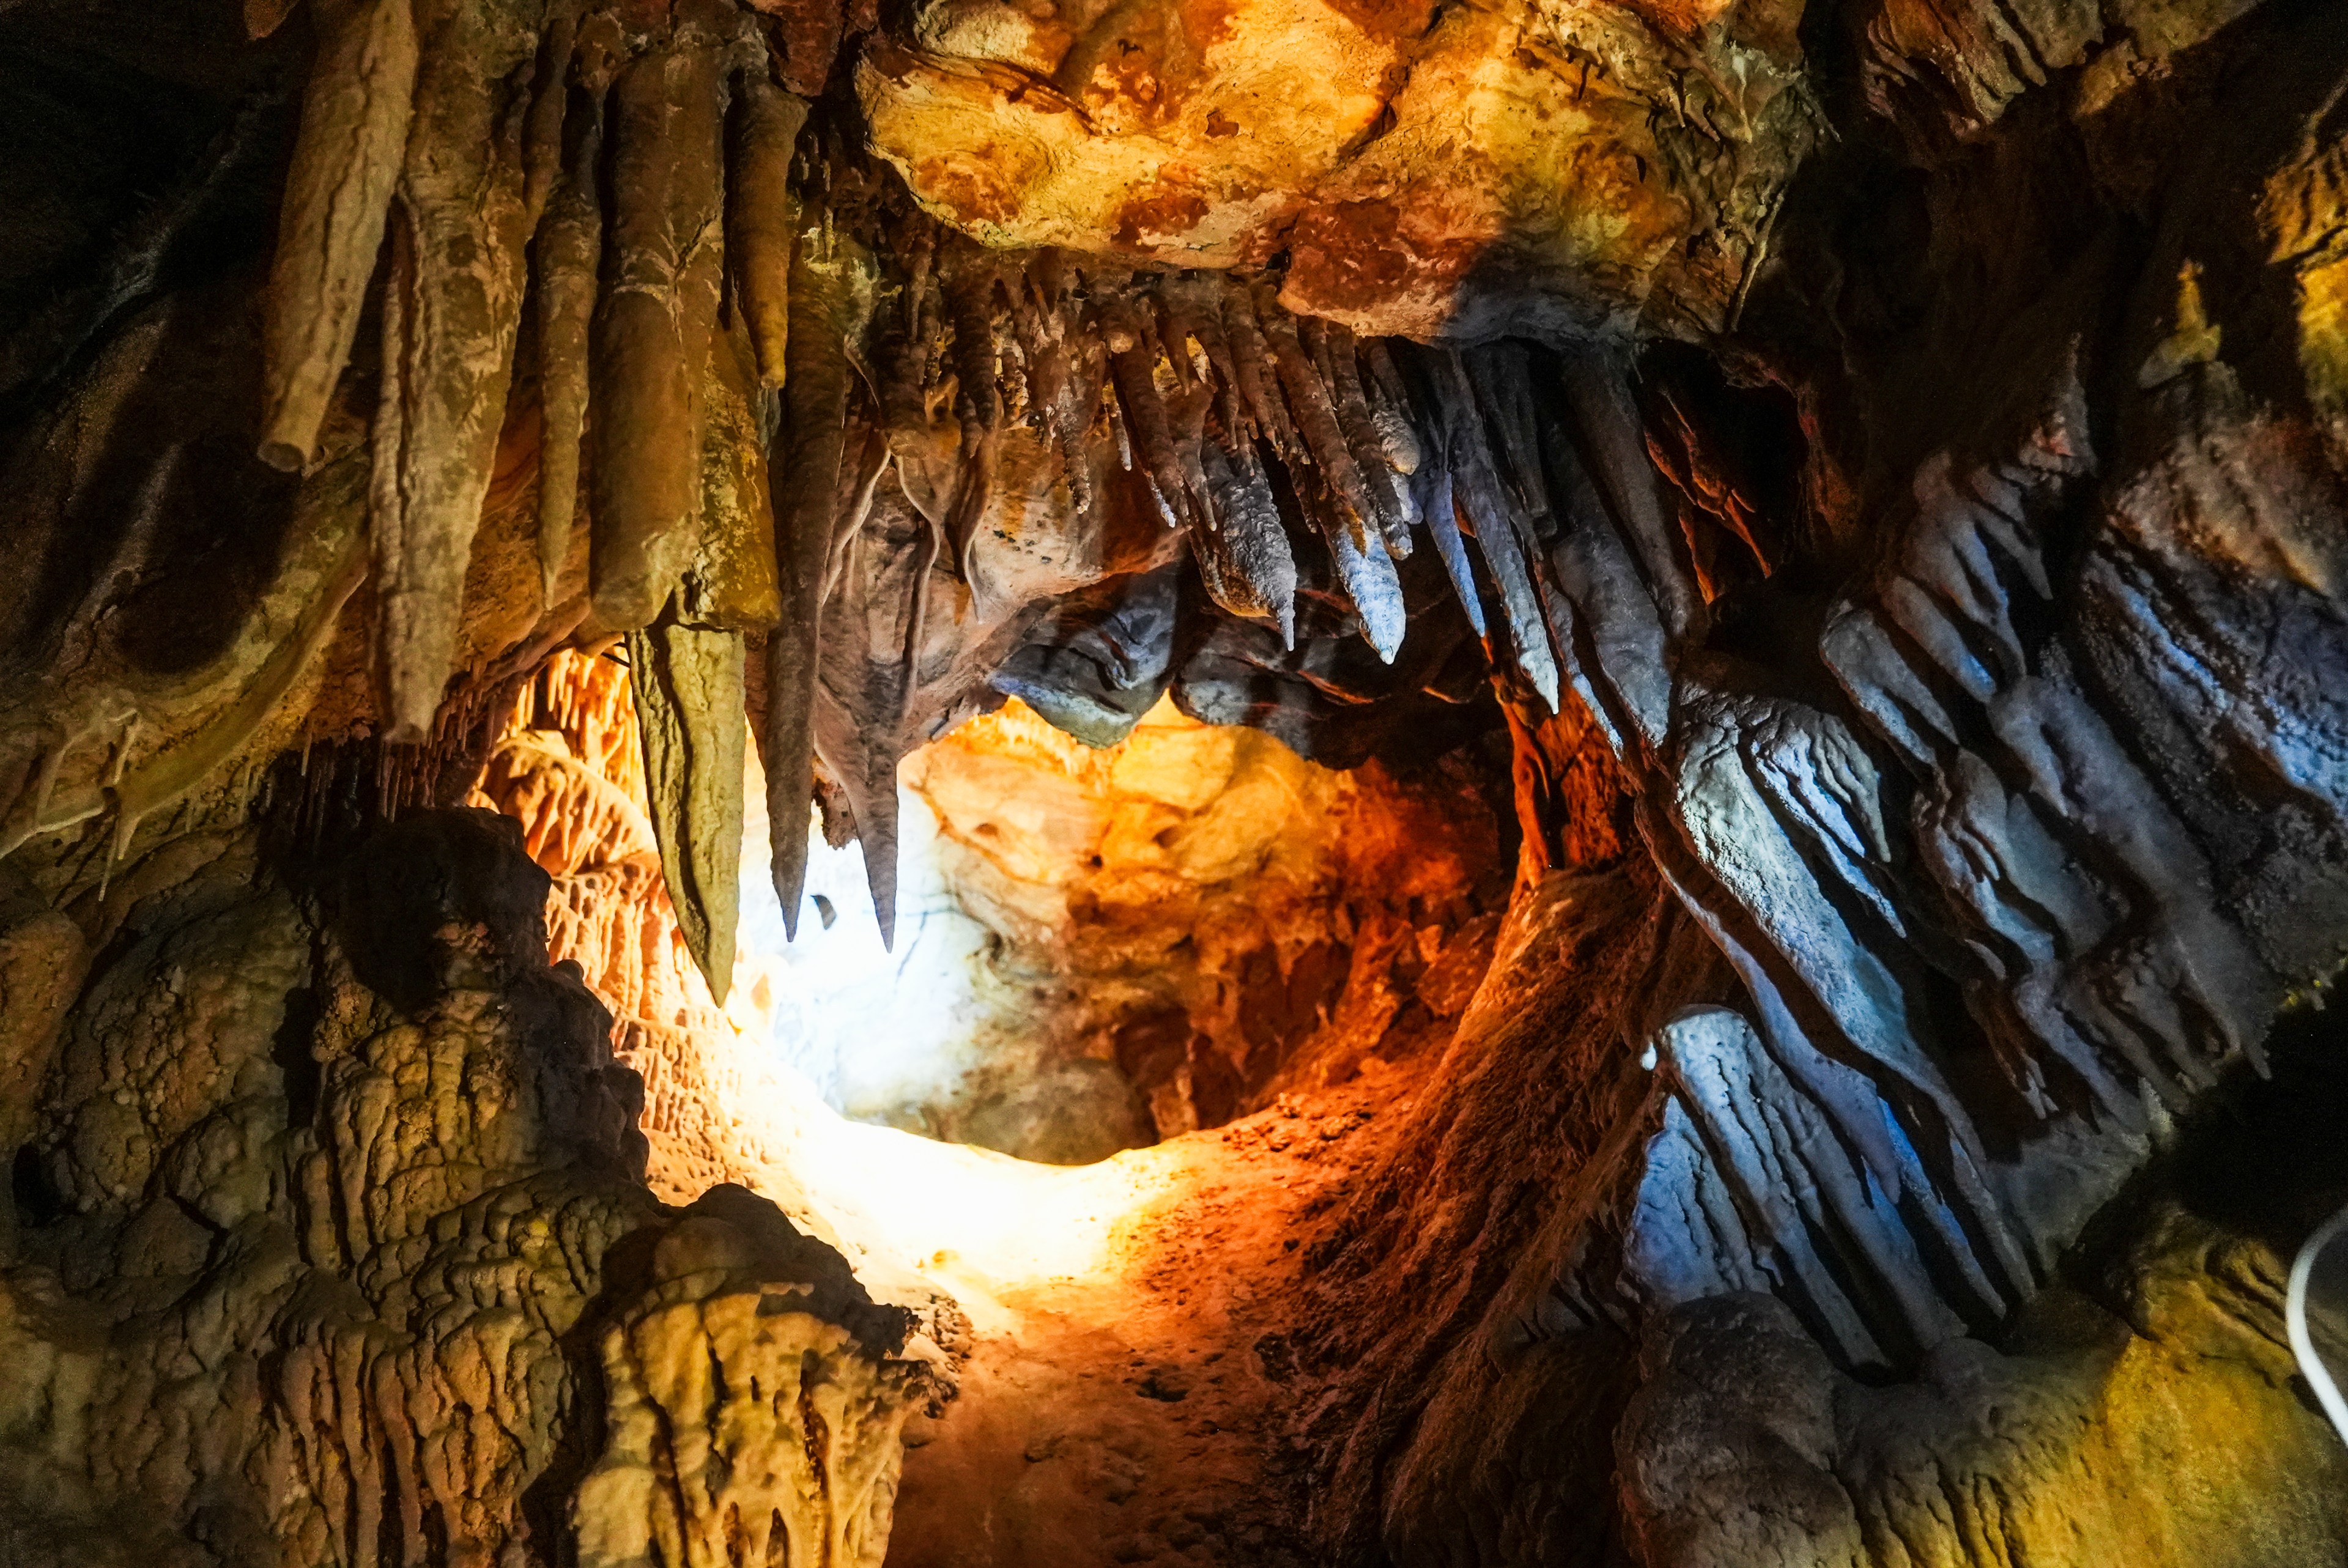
{"type": "Point", "coordinates": [1096, 946]}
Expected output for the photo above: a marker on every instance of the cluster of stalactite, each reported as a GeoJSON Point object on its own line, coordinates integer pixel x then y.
{"type": "Point", "coordinates": [619, 177]}
{"type": "Point", "coordinates": [1016, 401]}
{"type": "Point", "coordinates": [740, 336]}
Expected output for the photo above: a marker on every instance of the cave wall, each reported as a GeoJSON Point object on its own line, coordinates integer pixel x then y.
{"type": "Point", "coordinates": [1221, 918]}
{"type": "Point", "coordinates": [329, 1243]}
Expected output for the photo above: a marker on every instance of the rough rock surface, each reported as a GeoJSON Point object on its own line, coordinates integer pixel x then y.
{"type": "Point", "coordinates": [1432, 171]}
{"type": "Point", "coordinates": [330, 1241]}
{"type": "Point", "coordinates": [1216, 917]}
{"type": "Point", "coordinates": [1881, 463]}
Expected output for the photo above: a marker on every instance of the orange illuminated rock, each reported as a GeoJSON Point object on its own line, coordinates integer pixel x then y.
{"type": "Point", "coordinates": [1431, 177]}
{"type": "Point", "coordinates": [1213, 914]}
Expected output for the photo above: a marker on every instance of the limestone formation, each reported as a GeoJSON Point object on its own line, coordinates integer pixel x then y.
{"type": "Point", "coordinates": [1750, 993]}
{"type": "Point", "coordinates": [343, 1184]}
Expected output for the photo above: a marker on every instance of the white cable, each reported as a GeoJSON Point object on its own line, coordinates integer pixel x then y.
{"type": "Point", "coordinates": [2303, 1344]}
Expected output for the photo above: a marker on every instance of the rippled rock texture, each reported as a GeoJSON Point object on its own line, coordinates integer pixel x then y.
{"type": "Point", "coordinates": [331, 1245]}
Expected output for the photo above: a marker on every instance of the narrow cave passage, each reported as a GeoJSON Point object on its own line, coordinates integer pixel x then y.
{"type": "Point", "coordinates": [1271, 784]}
{"type": "Point", "coordinates": [1191, 946]}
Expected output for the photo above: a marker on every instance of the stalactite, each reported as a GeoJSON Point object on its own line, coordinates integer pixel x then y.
{"type": "Point", "coordinates": [658, 309]}
{"type": "Point", "coordinates": [827, 311]}
{"type": "Point", "coordinates": [568, 252]}
{"type": "Point", "coordinates": [1523, 441]}
{"type": "Point", "coordinates": [1363, 569]}
{"type": "Point", "coordinates": [761, 214]}
{"type": "Point", "coordinates": [1258, 376]}
{"type": "Point", "coordinates": [1133, 363]}
{"type": "Point", "coordinates": [1440, 509]}
{"type": "Point", "coordinates": [1316, 423]}
{"type": "Point", "coordinates": [1484, 511]}
{"type": "Point", "coordinates": [1185, 382]}
{"type": "Point", "coordinates": [347, 162]}
{"type": "Point", "coordinates": [1598, 391]}
{"type": "Point", "coordinates": [1245, 557]}
{"type": "Point", "coordinates": [1333, 355]}
{"type": "Point", "coordinates": [865, 681]}
{"type": "Point", "coordinates": [1390, 408]}
{"type": "Point", "coordinates": [1243, 553]}
{"type": "Point", "coordinates": [449, 330]}
{"type": "Point", "coordinates": [688, 685]}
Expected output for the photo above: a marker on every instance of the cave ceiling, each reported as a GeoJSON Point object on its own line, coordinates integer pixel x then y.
{"type": "Point", "coordinates": [1863, 482]}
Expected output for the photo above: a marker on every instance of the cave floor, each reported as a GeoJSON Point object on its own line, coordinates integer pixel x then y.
{"type": "Point", "coordinates": [1126, 1392]}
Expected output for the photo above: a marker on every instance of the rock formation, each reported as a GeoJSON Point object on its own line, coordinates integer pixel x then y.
{"type": "Point", "coordinates": [333, 1245]}
{"type": "Point", "coordinates": [1850, 496]}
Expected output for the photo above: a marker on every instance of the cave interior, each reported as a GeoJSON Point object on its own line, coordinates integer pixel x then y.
{"type": "Point", "coordinates": [1235, 783]}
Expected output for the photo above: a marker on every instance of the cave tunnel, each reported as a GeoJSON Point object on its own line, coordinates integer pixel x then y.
{"type": "Point", "coordinates": [1032, 784]}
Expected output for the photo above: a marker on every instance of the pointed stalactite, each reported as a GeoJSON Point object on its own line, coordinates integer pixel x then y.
{"type": "Point", "coordinates": [1598, 390]}
{"type": "Point", "coordinates": [447, 347]}
{"type": "Point", "coordinates": [1243, 554]}
{"type": "Point", "coordinates": [810, 451]}
{"type": "Point", "coordinates": [1434, 485]}
{"type": "Point", "coordinates": [761, 215]}
{"type": "Point", "coordinates": [1390, 404]}
{"type": "Point", "coordinates": [1133, 365]}
{"type": "Point", "coordinates": [1332, 350]}
{"type": "Point", "coordinates": [1245, 558]}
{"type": "Point", "coordinates": [1259, 378]}
{"type": "Point", "coordinates": [1520, 443]}
{"type": "Point", "coordinates": [689, 690]}
{"type": "Point", "coordinates": [658, 309]}
{"type": "Point", "coordinates": [1440, 508]}
{"type": "Point", "coordinates": [869, 660]}
{"type": "Point", "coordinates": [872, 796]}
{"type": "Point", "coordinates": [1316, 422]}
{"type": "Point", "coordinates": [338, 189]}
{"type": "Point", "coordinates": [568, 250]}
{"type": "Point", "coordinates": [1367, 574]}
{"type": "Point", "coordinates": [1483, 509]}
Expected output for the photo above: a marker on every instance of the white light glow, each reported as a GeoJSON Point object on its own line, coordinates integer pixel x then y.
{"type": "Point", "coordinates": [875, 1032]}
{"type": "Point", "coordinates": [844, 1019]}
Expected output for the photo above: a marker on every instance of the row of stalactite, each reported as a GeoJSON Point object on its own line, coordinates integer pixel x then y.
{"type": "Point", "coordinates": [717, 297]}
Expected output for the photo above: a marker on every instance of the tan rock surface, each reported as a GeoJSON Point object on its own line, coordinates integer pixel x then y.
{"type": "Point", "coordinates": [1562, 167]}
